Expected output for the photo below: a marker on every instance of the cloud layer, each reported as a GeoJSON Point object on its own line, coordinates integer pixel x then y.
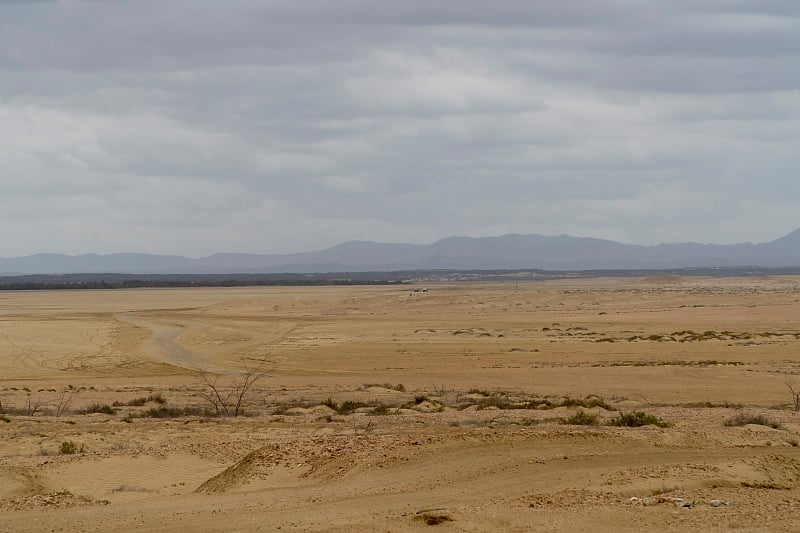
{"type": "Point", "coordinates": [269, 126]}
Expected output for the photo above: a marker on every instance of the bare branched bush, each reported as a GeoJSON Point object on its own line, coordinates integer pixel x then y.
{"type": "Point", "coordinates": [226, 393]}
{"type": "Point", "coordinates": [65, 398]}
{"type": "Point", "coordinates": [794, 394]}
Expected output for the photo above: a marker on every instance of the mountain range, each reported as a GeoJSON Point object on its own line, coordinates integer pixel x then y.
{"type": "Point", "coordinates": [463, 253]}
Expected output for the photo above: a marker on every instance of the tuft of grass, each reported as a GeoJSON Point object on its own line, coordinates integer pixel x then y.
{"type": "Point", "coordinates": [581, 418]}
{"type": "Point", "coordinates": [68, 447]}
{"type": "Point", "coordinates": [637, 419]}
{"type": "Point", "coordinates": [743, 419]}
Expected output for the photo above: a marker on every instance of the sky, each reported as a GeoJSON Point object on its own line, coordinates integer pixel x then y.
{"type": "Point", "coordinates": [276, 126]}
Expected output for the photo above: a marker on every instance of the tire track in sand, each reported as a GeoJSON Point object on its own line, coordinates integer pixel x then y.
{"type": "Point", "coordinates": [162, 344]}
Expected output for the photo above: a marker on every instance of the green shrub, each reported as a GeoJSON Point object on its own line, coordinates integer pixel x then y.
{"type": "Point", "coordinates": [330, 403]}
{"type": "Point", "coordinates": [637, 419]}
{"type": "Point", "coordinates": [742, 419]}
{"type": "Point", "coordinates": [581, 418]}
{"type": "Point", "coordinates": [379, 410]}
{"type": "Point", "coordinates": [349, 406]}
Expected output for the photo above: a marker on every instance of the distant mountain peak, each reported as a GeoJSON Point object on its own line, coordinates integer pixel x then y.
{"type": "Point", "coordinates": [510, 251]}
{"type": "Point", "coordinates": [790, 237]}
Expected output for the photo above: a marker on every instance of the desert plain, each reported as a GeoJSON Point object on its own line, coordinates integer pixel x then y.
{"type": "Point", "coordinates": [466, 407]}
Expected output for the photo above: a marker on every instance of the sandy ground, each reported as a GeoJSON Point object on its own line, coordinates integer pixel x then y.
{"type": "Point", "coordinates": [386, 409]}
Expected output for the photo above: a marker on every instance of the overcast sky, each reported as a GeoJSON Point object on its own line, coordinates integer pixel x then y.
{"type": "Point", "coordinates": [270, 126]}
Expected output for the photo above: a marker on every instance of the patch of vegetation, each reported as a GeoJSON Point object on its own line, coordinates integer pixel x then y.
{"type": "Point", "coordinates": [433, 518]}
{"type": "Point", "coordinates": [330, 403]}
{"type": "Point", "coordinates": [743, 419]}
{"type": "Point", "coordinates": [495, 400]}
{"type": "Point", "coordinates": [693, 336]}
{"type": "Point", "coordinates": [280, 409]}
{"type": "Point", "coordinates": [581, 418]}
{"type": "Point", "coordinates": [69, 447]}
{"type": "Point", "coordinates": [702, 363]}
{"type": "Point", "coordinates": [5, 419]}
{"type": "Point", "coordinates": [765, 485]}
{"type": "Point", "coordinates": [346, 407]}
{"type": "Point", "coordinates": [131, 488]}
{"type": "Point", "coordinates": [379, 410]}
{"type": "Point", "coordinates": [637, 419]}
{"type": "Point", "coordinates": [157, 398]}
{"type": "Point", "coordinates": [138, 402]}
{"type": "Point", "coordinates": [399, 387]}
{"type": "Point", "coordinates": [349, 406]}
{"type": "Point", "coordinates": [501, 400]}
{"type": "Point", "coordinates": [176, 412]}
{"type": "Point", "coordinates": [100, 408]}
{"type": "Point", "coordinates": [712, 405]}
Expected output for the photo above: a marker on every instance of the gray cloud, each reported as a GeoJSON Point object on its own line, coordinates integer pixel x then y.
{"type": "Point", "coordinates": [192, 127]}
